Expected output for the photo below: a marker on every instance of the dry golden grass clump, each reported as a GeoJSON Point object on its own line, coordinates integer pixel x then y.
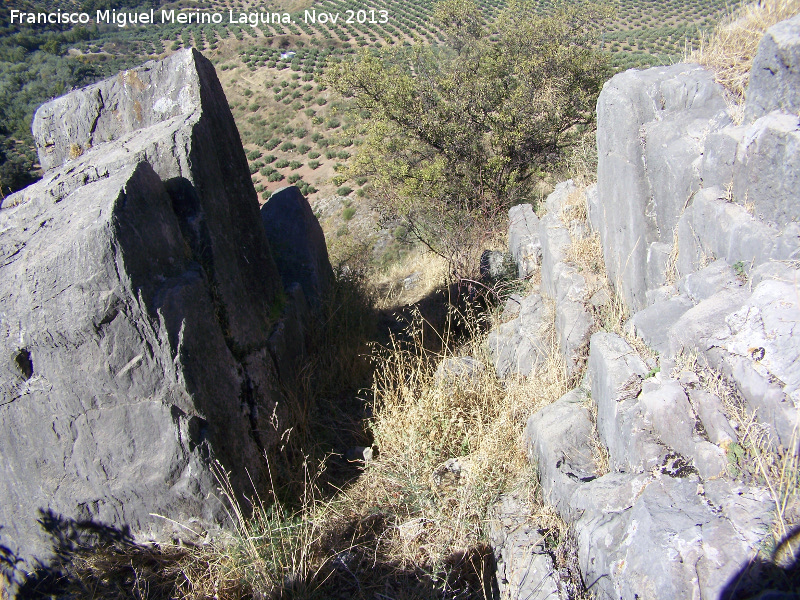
{"type": "Point", "coordinates": [729, 51]}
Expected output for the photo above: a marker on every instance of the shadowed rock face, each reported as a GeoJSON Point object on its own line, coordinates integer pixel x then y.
{"type": "Point", "coordinates": [136, 286]}
{"type": "Point", "coordinates": [298, 243]}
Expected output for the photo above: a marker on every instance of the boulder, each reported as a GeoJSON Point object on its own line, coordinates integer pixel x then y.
{"type": "Point", "coordinates": [520, 346]}
{"type": "Point", "coordinates": [523, 239]}
{"type": "Point", "coordinates": [558, 441]}
{"type": "Point", "coordinates": [762, 353]}
{"type": "Point", "coordinates": [615, 373]}
{"type": "Point", "coordinates": [668, 410]}
{"type": "Point", "coordinates": [555, 240]}
{"type": "Point", "coordinates": [298, 243]}
{"type": "Point", "coordinates": [524, 570]}
{"type": "Point", "coordinates": [767, 173]}
{"type": "Point", "coordinates": [649, 134]}
{"type": "Point", "coordinates": [458, 370]}
{"type": "Point", "coordinates": [662, 537]}
{"type": "Point", "coordinates": [652, 324]}
{"type": "Point", "coordinates": [573, 325]}
{"type": "Point", "coordinates": [699, 326]}
{"type": "Point", "coordinates": [710, 280]}
{"type": "Point", "coordinates": [173, 114]}
{"type": "Point", "coordinates": [139, 297]}
{"type": "Point", "coordinates": [715, 227]}
{"type": "Point", "coordinates": [774, 82]}
{"type": "Point", "coordinates": [711, 413]}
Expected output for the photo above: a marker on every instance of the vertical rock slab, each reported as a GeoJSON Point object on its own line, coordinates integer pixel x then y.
{"type": "Point", "coordinates": [192, 139]}
{"type": "Point", "coordinates": [297, 243]}
{"type": "Point", "coordinates": [645, 171]}
{"type": "Point", "coordinates": [775, 75]}
{"type": "Point", "coordinates": [137, 288]}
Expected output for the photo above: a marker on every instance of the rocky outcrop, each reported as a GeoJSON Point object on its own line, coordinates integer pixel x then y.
{"type": "Point", "coordinates": [140, 302]}
{"type": "Point", "coordinates": [698, 220]}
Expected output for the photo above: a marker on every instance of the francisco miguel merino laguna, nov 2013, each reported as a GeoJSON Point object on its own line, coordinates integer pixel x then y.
{"type": "Point", "coordinates": [172, 16]}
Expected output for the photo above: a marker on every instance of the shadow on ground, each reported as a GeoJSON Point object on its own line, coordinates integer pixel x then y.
{"type": "Point", "coordinates": [92, 560]}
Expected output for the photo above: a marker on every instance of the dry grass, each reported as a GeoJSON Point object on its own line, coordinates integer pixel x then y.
{"type": "Point", "coordinates": [729, 51]}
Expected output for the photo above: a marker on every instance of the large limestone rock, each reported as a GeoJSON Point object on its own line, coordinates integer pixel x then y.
{"type": "Point", "coordinates": [523, 239]}
{"type": "Point", "coordinates": [521, 345]}
{"type": "Point", "coordinates": [775, 75]}
{"type": "Point", "coordinates": [297, 243]}
{"type": "Point", "coordinates": [137, 289]}
{"type": "Point", "coordinates": [662, 537]}
{"type": "Point", "coordinates": [650, 130]}
{"type": "Point", "coordinates": [558, 441]}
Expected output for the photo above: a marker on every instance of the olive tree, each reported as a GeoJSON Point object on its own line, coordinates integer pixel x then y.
{"type": "Point", "coordinates": [458, 133]}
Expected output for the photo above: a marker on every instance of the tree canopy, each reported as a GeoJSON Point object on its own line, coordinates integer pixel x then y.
{"type": "Point", "coordinates": [459, 133]}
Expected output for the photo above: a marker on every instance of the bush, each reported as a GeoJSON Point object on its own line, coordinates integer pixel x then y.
{"type": "Point", "coordinates": [295, 164]}
{"type": "Point", "coordinates": [344, 191]}
{"type": "Point", "coordinates": [287, 146]}
{"type": "Point", "coordinates": [281, 163]}
{"type": "Point", "coordinates": [276, 176]}
{"type": "Point", "coordinates": [272, 144]}
{"type": "Point", "coordinates": [349, 212]}
{"type": "Point", "coordinates": [313, 154]}
{"type": "Point", "coordinates": [270, 158]}
{"type": "Point", "coordinates": [313, 164]}
{"type": "Point", "coordinates": [303, 148]}
{"type": "Point", "coordinates": [293, 178]}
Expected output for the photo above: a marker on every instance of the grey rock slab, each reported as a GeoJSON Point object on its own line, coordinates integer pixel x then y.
{"type": "Point", "coordinates": [173, 114]}
{"type": "Point", "coordinates": [523, 570]}
{"type": "Point", "coordinates": [652, 324]}
{"type": "Point", "coordinates": [511, 308]}
{"type": "Point", "coordinates": [658, 258]}
{"type": "Point", "coordinates": [774, 82]}
{"type": "Point", "coordinates": [558, 439]}
{"type": "Point", "coordinates": [681, 94]}
{"type": "Point", "coordinates": [709, 280]}
{"type": "Point", "coordinates": [573, 325]}
{"type": "Point", "coordinates": [118, 387]}
{"type": "Point", "coordinates": [715, 227]}
{"type": "Point", "coordinates": [298, 244]}
{"type": "Point", "coordinates": [555, 240]}
{"type": "Point", "coordinates": [523, 239]}
{"type": "Point", "coordinates": [651, 537]}
{"type": "Point", "coordinates": [667, 408]}
{"type": "Point", "coordinates": [458, 370]}
{"type": "Point", "coordinates": [559, 196]}
{"type": "Point", "coordinates": [720, 150]}
{"type": "Point", "coordinates": [595, 211]}
{"type": "Point", "coordinates": [614, 371]}
{"type": "Point", "coordinates": [699, 326]}
{"type": "Point", "coordinates": [711, 413]}
{"type": "Point", "coordinates": [762, 353]}
{"type": "Point", "coordinates": [767, 171]}
{"type": "Point", "coordinates": [520, 346]}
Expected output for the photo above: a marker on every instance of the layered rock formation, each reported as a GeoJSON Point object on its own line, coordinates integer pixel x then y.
{"type": "Point", "coordinates": [143, 316]}
{"type": "Point", "coordinates": [698, 221]}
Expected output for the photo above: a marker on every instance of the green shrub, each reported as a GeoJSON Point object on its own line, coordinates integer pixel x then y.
{"type": "Point", "coordinates": [303, 148]}
{"type": "Point", "coordinates": [287, 146]}
{"type": "Point", "coordinates": [313, 154]}
{"type": "Point", "coordinates": [270, 158]}
{"type": "Point", "coordinates": [281, 163]}
{"type": "Point", "coordinates": [344, 191]}
{"type": "Point", "coordinates": [349, 212]}
{"type": "Point", "coordinates": [295, 164]}
{"type": "Point", "coordinates": [276, 176]}
{"type": "Point", "coordinates": [313, 164]}
{"type": "Point", "coordinates": [293, 178]}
